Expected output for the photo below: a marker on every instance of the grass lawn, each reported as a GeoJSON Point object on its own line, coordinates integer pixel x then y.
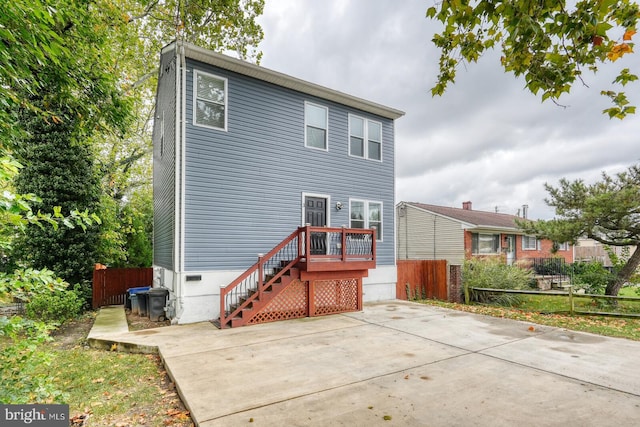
{"type": "Point", "coordinates": [111, 388]}
{"type": "Point", "coordinates": [603, 325]}
{"type": "Point", "coordinates": [630, 291]}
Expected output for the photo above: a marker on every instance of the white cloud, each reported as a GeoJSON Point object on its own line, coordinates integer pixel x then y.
{"type": "Point", "coordinates": [486, 140]}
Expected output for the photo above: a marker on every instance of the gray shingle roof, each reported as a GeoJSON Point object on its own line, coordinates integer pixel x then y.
{"type": "Point", "coordinates": [478, 218]}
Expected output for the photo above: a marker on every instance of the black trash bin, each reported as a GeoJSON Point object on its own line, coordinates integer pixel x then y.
{"type": "Point", "coordinates": [157, 303]}
{"type": "Point", "coordinates": [143, 303]}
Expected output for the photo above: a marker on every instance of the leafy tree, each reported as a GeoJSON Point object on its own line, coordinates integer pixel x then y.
{"type": "Point", "coordinates": [138, 214]}
{"type": "Point", "coordinates": [82, 65]}
{"type": "Point", "coordinates": [607, 211]}
{"type": "Point", "coordinates": [128, 233]}
{"type": "Point", "coordinates": [125, 160]}
{"type": "Point", "coordinates": [549, 42]}
{"type": "Point", "coordinates": [62, 173]}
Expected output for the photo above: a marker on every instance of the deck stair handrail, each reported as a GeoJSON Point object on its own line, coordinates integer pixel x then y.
{"type": "Point", "coordinates": [314, 248]}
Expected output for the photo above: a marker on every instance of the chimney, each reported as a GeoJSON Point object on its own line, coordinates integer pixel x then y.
{"type": "Point", "coordinates": [466, 206]}
{"type": "Point", "coordinates": [525, 208]}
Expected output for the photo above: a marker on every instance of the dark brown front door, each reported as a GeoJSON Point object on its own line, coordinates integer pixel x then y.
{"type": "Point", "coordinates": [315, 214]}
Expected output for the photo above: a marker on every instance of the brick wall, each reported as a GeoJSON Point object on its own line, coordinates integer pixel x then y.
{"type": "Point", "coordinates": [455, 284]}
{"type": "Point", "coordinates": [544, 251]}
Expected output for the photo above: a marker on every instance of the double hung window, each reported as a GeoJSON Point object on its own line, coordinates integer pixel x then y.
{"type": "Point", "coordinates": [209, 100]}
{"type": "Point", "coordinates": [315, 118]}
{"type": "Point", "coordinates": [529, 243]}
{"type": "Point", "coordinates": [366, 214]}
{"type": "Point", "coordinates": [365, 138]}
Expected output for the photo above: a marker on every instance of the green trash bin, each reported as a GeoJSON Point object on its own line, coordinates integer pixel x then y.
{"type": "Point", "coordinates": [156, 303]}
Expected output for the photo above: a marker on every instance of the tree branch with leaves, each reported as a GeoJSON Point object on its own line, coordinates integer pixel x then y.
{"type": "Point", "coordinates": [548, 42]}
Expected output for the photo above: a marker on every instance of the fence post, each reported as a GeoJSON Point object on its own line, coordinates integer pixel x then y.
{"type": "Point", "coordinates": [571, 299]}
{"type": "Point", "coordinates": [465, 286]}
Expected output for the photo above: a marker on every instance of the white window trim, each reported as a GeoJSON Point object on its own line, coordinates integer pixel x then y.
{"type": "Point", "coordinates": [366, 138]}
{"type": "Point", "coordinates": [326, 126]}
{"type": "Point", "coordinates": [195, 99]}
{"type": "Point", "coordinates": [563, 246]}
{"type": "Point", "coordinates": [366, 217]}
{"type": "Point", "coordinates": [527, 248]}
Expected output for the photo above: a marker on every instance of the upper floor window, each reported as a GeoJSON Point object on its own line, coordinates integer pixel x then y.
{"type": "Point", "coordinates": [485, 244]}
{"type": "Point", "coordinates": [366, 214]}
{"type": "Point", "coordinates": [315, 118]}
{"type": "Point", "coordinates": [562, 246]}
{"type": "Point", "coordinates": [209, 100]}
{"type": "Point", "coordinates": [365, 138]}
{"type": "Point", "coordinates": [529, 243]}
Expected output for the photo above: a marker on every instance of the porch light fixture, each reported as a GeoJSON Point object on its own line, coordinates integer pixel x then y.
{"type": "Point", "coordinates": [338, 206]}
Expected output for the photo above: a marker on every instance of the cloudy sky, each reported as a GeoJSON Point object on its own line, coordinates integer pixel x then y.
{"type": "Point", "coordinates": [486, 140]}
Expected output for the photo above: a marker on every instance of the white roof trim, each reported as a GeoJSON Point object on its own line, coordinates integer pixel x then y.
{"type": "Point", "coordinates": [241, 67]}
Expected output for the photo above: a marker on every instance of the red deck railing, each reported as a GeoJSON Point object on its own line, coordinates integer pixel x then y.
{"type": "Point", "coordinates": [313, 249]}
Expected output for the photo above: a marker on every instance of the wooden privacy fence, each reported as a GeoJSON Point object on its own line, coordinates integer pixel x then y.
{"type": "Point", "coordinates": [110, 284]}
{"type": "Point", "coordinates": [422, 279]}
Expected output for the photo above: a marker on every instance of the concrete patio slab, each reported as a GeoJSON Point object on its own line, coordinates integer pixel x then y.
{"type": "Point", "coordinates": [398, 363]}
{"type": "Point", "coordinates": [610, 362]}
{"type": "Point", "coordinates": [284, 369]}
{"type": "Point", "coordinates": [445, 394]}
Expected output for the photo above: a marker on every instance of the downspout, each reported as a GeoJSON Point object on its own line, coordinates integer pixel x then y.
{"type": "Point", "coordinates": [406, 236]}
{"type": "Point", "coordinates": [183, 155]}
{"type": "Point", "coordinates": [179, 183]}
{"type": "Point", "coordinates": [406, 233]}
{"type": "Point", "coordinates": [434, 236]}
{"type": "Point", "coordinates": [178, 160]}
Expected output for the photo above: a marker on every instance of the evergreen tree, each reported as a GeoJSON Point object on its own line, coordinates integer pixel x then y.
{"type": "Point", "coordinates": [60, 169]}
{"type": "Point", "coordinates": [607, 211]}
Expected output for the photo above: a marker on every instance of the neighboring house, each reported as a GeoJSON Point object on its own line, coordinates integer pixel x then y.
{"type": "Point", "coordinates": [588, 250]}
{"type": "Point", "coordinates": [454, 234]}
{"type": "Point", "coordinates": [244, 159]}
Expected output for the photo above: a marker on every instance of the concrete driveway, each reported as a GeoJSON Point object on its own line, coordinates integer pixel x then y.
{"type": "Point", "coordinates": [399, 364]}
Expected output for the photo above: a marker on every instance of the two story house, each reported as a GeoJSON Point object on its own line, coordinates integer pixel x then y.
{"type": "Point", "coordinates": [273, 196]}
{"type": "Point", "coordinates": [455, 234]}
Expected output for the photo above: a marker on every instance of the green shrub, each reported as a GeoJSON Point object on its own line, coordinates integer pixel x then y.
{"type": "Point", "coordinates": [591, 276]}
{"type": "Point", "coordinates": [20, 356]}
{"type": "Point", "coordinates": [85, 293]}
{"type": "Point", "coordinates": [493, 273]}
{"type": "Point", "coordinates": [56, 307]}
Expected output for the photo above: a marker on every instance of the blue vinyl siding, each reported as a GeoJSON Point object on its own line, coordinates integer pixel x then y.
{"type": "Point", "coordinates": [164, 163]}
{"type": "Point", "coordinates": [243, 188]}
